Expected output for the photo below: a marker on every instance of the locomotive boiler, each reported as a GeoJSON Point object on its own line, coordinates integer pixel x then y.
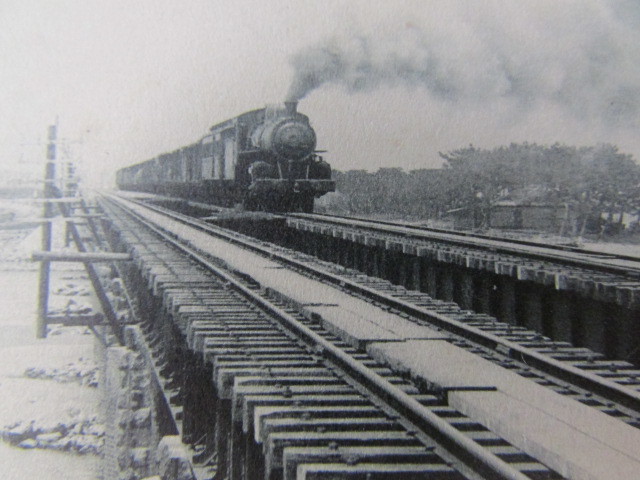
{"type": "Point", "coordinates": [264, 159]}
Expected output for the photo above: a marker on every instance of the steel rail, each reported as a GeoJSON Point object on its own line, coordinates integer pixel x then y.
{"type": "Point", "coordinates": [465, 234]}
{"type": "Point", "coordinates": [462, 447]}
{"type": "Point", "coordinates": [495, 245]}
{"type": "Point", "coordinates": [581, 378]}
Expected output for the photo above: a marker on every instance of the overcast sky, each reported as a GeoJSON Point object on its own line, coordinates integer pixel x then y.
{"type": "Point", "coordinates": [385, 83]}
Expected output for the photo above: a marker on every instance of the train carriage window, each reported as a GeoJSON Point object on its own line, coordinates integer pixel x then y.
{"type": "Point", "coordinates": [207, 168]}
{"type": "Point", "coordinates": [229, 158]}
{"type": "Point", "coordinates": [218, 166]}
{"type": "Point", "coordinates": [191, 171]}
{"type": "Point", "coordinates": [184, 168]}
{"type": "Point", "coordinates": [206, 160]}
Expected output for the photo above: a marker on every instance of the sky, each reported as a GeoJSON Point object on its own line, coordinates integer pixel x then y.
{"type": "Point", "coordinates": [386, 83]}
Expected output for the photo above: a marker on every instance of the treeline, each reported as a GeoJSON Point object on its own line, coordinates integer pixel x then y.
{"type": "Point", "coordinates": [593, 182]}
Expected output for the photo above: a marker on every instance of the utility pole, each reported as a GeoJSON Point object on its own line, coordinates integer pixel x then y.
{"type": "Point", "coordinates": [45, 266]}
{"type": "Point", "coordinates": [53, 193]}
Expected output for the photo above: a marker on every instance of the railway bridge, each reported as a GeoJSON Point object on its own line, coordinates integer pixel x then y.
{"type": "Point", "coordinates": [350, 350]}
{"type": "Point", "coordinates": [586, 298]}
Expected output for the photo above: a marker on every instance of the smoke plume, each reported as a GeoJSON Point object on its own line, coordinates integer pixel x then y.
{"type": "Point", "coordinates": [582, 57]}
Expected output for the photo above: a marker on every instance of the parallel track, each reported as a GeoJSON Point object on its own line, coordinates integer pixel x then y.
{"type": "Point", "coordinates": [611, 386]}
{"type": "Point", "coordinates": [618, 264]}
{"type": "Point", "coordinates": [261, 333]}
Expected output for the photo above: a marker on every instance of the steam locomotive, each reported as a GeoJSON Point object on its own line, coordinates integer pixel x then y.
{"type": "Point", "coordinates": [264, 159]}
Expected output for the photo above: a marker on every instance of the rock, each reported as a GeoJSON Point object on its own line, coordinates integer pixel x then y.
{"type": "Point", "coordinates": [89, 444]}
{"type": "Point", "coordinates": [50, 425]}
{"type": "Point", "coordinates": [28, 443]}
{"type": "Point", "coordinates": [75, 428]}
{"type": "Point", "coordinates": [173, 459]}
{"type": "Point", "coordinates": [96, 429]}
{"type": "Point", "coordinates": [20, 428]}
{"type": "Point", "coordinates": [72, 441]}
{"type": "Point", "coordinates": [81, 372]}
{"type": "Point", "coordinates": [92, 381]}
{"type": "Point", "coordinates": [44, 439]}
{"type": "Point", "coordinates": [139, 458]}
{"type": "Point", "coordinates": [17, 432]}
{"type": "Point", "coordinates": [141, 418]}
{"type": "Point", "coordinates": [61, 444]}
{"type": "Point", "coordinates": [124, 460]}
{"type": "Point", "coordinates": [123, 417]}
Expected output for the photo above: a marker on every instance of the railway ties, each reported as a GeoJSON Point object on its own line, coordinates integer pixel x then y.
{"type": "Point", "coordinates": [567, 294]}
{"type": "Point", "coordinates": [277, 401]}
{"type": "Point", "coordinates": [248, 383]}
{"type": "Point", "coordinates": [501, 334]}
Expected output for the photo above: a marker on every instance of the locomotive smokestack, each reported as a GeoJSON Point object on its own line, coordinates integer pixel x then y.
{"type": "Point", "coordinates": [291, 106]}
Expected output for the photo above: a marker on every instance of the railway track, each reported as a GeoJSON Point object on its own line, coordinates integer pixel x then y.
{"type": "Point", "coordinates": [574, 373]}
{"type": "Point", "coordinates": [309, 390]}
{"type": "Point", "coordinates": [520, 349]}
{"type": "Point", "coordinates": [570, 256]}
{"type": "Point", "coordinates": [563, 254]}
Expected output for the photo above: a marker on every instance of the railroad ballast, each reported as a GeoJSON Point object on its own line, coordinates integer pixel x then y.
{"type": "Point", "coordinates": [264, 159]}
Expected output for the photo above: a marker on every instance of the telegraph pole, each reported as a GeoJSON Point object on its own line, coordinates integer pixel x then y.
{"type": "Point", "coordinates": [45, 266]}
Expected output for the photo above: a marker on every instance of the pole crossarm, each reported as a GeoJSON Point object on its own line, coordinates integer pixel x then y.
{"type": "Point", "coordinates": [83, 257]}
{"type": "Point", "coordinates": [54, 200]}
{"type": "Point", "coordinates": [75, 218]}
{"type": "Point", "coordinates": [73, 320]}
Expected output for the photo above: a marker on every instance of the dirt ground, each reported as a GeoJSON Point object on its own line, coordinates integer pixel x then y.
{"type": "Point", "coordinates": [50, 426]}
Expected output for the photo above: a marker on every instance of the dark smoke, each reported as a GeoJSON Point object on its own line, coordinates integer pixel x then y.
{"type": "Point", "coordinates": [586, 71]}
{"type": "Point", "coordinates": [359, 64]}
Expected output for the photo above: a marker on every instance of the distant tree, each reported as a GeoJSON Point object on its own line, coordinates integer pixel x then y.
{"type": "Point", "coordinates": [591, 182]}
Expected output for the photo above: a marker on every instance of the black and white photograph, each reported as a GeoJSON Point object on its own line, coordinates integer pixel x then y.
{"type": "Point", "coordinates": [320, 240]}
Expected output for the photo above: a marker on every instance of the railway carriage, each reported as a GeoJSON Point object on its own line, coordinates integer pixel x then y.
{"type": "Point", "coordinates": [264, 159]}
